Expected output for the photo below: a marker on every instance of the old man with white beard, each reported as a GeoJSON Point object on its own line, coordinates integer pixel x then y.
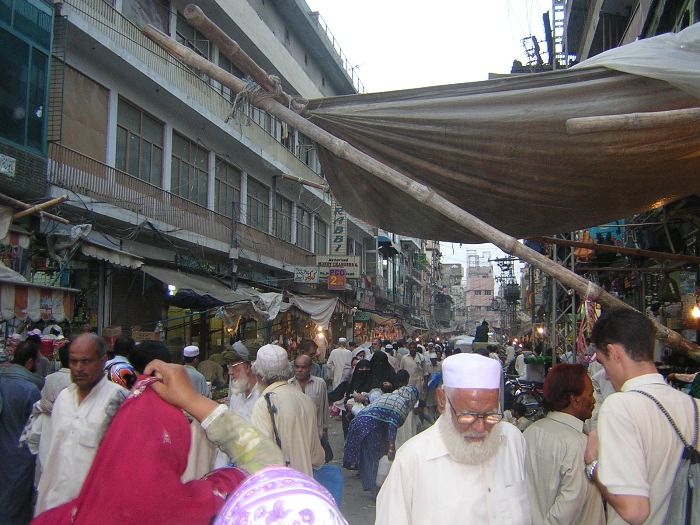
{"type": "Point", "coordinates": [242, 388]}
{"type": "Point", "coordinates": [477, 459]}
{"type": "Point", "coordinates": [243, 382]}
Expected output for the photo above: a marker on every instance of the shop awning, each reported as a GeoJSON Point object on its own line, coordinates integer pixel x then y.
{"type": "Point", "coordinates": [320, 309]}
{"type": "Point", "coordinates": [208, 293]}
{"type": "Point", "coordinates": [24, 300]}
{"type": "Point", "coordinates": [111, 254]}
{"type": "Point", "coordinates": [500, 149]}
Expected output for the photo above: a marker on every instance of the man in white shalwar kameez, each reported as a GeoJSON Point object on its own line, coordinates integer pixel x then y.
{"type": "Point", "coordinates": [80, 417]}
{"type": "Point", "coordinates": [339, 361]}
{"type": "Point", "coordinates": [469, 449]}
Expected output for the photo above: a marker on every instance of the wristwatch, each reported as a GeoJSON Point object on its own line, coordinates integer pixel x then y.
{"type": "Point", "coordinates": [590, 470]}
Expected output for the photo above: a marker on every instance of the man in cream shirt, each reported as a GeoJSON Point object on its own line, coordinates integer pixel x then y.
{"type": "Point", "coordinates": [469, 449]}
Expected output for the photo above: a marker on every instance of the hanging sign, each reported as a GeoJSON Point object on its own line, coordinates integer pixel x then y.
{"type": "Point", "coordinates": [336, 279]}
{"type": "Point", "coordinates": [351, 264]}
{"type": "Point", "coordinates": [306, 274]}
{"type": "Point", "coordinates": [339, 229]}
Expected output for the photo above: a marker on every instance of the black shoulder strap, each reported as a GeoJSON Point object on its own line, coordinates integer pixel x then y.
{"type": "Point", "coordinates": [272, 409]}
{"type": "Point", "coordinates": [689, 450]}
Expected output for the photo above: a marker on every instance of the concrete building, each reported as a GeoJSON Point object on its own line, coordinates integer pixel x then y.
{"type": "Point", "coordinates": [174, 178]}
{"type": "Point", "coordinates": [479, 293]}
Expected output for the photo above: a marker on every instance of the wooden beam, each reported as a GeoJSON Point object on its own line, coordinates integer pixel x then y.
{"type": "Point", "coordinates": [631, 121]}
{"type": "Point", "coordinates": [620, 249]}
{"type": "Point", "coordinates": [19, 204]}
{"type": "Point", "coordinates": [420, 192]}
{"type": "Point", "coordinates": [40, 207]}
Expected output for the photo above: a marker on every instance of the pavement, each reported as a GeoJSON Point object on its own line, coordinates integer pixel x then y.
{"type": "Point", "coordinates": [357, 506]}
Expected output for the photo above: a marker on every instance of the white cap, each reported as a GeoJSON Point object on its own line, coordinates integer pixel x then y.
{"type": "Point", "coordinates": [190, 351]}
{"type": "Point", "coordinates": [272, 358]}
{"type": "Point", "coordinates": [389, 347]}
{"type": "Point", "coordinates": [342, 340]}
{"type": "Point", "coordinates": [471, 371]}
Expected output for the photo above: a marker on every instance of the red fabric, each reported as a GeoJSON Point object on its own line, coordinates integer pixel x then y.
{"type": "Point", "coordinates": [135, 478]}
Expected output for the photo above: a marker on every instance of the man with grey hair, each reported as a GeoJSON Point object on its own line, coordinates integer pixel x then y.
{"type": "Point", "coordinates": [468, 447]}
{"type": "Point", "coordinates": [284, 413]}
{"type": "Point", "coordinates": [80, 417]}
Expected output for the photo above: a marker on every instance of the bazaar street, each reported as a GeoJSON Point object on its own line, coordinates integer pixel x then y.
{"type": "Point", "coordinates": [358, 506]}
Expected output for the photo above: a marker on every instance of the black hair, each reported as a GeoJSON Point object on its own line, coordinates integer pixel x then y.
{"type": "Point", "coordinates": [25, 351]}
{"type": "Point", "coordinates": [147, 351]}
{"type": "Point", "coordinates": [626, 327]}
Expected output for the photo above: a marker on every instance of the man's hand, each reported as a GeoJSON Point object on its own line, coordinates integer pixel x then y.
{"type": "Point", "coordinates": [591, 447]}
{"type": "Point", "coordinates": [391, 453]}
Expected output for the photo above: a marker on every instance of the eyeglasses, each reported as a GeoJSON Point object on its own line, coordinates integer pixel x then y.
{"type": "Point", "coordinates": [84, 362]}
{"type": "Point", "coordinates": [468, 418]}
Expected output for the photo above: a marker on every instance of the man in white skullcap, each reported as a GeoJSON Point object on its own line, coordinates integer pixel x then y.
{"type": "Point", "coordinates": [284, 413]}
{"type": "Point", "coordinates": [469, 448]}
{"type": "Point", "coordinates": [338, 362]}
{"type": "Point", "coordinates": [190, 356]}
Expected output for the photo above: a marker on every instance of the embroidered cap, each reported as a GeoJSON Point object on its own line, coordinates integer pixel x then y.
{"type": "Point", "coordinates": [190, 351]}
{"type": "Point", "coordinates": [272, 358]}
{"type": "Point", "coordinates": [472, 371]}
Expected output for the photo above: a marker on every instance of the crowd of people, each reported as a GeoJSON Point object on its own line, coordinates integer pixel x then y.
{"type": "Point", "coordinates": [122, 435]}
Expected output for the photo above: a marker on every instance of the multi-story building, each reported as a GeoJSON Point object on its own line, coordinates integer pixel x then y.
{"type": "Point", "coordinates": [480, 286]}
{"type": "Point", "coordinates": [186, 191]}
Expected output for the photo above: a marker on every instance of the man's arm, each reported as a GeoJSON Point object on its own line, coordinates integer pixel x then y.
{"type": "Point", "coordinates": [247, 446]}
{"type": "Point", "coordinates": [633, 509]}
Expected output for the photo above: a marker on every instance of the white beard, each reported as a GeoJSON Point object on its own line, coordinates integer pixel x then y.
{"type": "Point", "coordinates": [468, 452]}
{"type": "Point", "coordinates": [240, 385]}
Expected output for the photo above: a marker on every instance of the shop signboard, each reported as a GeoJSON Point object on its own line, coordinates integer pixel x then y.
{"type": "Point", "coordinates": [362, 317]}
{"type": "Point", "coordinates": [339, 229]}
{"type": "Point", "coordinates": [306, 274]}
{"type": "Point", "coordinates": [336, 279]}
{"type": "Point", "coordinates": [350, 263]}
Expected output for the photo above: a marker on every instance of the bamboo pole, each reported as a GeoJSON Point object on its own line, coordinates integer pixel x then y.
{"type": "Point", "coordinates": [630, 121]}
{"type": "Point", "coordinates": [620, 249]}
{"type": "Point", "coordinates": [302, 180]}
{"type": "Point", "coordinates": [40, 207]}
{"type": "Point", "coordinates": [235, 54]}
{"type": "Point", "coordinates": [19, 204]}
{"type": "Point", "coordinates": [418, 191]}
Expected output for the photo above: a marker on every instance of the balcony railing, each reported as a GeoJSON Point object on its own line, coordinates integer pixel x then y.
{"type": "Point", "coordinates": [128, 37]}
{"type": "Point", "coordinates": [91, 178]}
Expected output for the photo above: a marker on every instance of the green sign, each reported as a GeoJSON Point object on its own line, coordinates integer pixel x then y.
{"type": "Point", "coordinates": [361, 317]}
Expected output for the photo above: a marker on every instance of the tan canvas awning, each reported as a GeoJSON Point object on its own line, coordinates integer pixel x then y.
{"type": "Point", "coordinates": [500, 149]}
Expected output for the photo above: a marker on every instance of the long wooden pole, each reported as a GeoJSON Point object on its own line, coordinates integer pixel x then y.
{"type": "Point", "coordinates": [418, 191]}
{"type": "Point", "coordinates": [40, 207]}
{"type": "Point", "coordinates": [628, 121]}
{"type": "Point", "coordinates": [619, 249]}
{"type": "Point", "coordinates": [235, 54]}
{"type": "Point", "coordinates": [19, 204]}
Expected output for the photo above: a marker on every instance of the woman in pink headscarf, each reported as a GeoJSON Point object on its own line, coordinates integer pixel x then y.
{"type": "Point", "coordinates": [135, 478]}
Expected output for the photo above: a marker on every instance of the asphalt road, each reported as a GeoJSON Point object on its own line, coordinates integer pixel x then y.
{"type": "Point", "coordinates": [358, 506]}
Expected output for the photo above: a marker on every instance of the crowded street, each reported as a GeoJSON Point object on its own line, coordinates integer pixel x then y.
{"type": "Point", "coordinates": [446, 273]}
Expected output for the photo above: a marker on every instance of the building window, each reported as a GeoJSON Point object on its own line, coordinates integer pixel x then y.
{"type": "Point", "coordinates": [227, 65]}
{"type": "Point", "coordinates": [227, 188]}
{"type": "Point", "coordinates": [24, 53]}
{"type": "Point", "coordinates": [187, 35]}
{"type": "Point", "coordinates": [477, 292]}
{"type": "Point", "coordinates": [139, 144]}
{"type": "Point", "coordinates": [304, 229]}
{"type": "Point", "coordinates": [320, 236]}
{"type": "Point", "coordinates": [188, 170]}
{"type": "Point", "coordinates": [142, 12]}
{"type": "Point", "coordinates": [283, 218]}
{"type": "Point", "coordinates": [258, 205]}
{"type": "Point", "coordinates": [488, 292]}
